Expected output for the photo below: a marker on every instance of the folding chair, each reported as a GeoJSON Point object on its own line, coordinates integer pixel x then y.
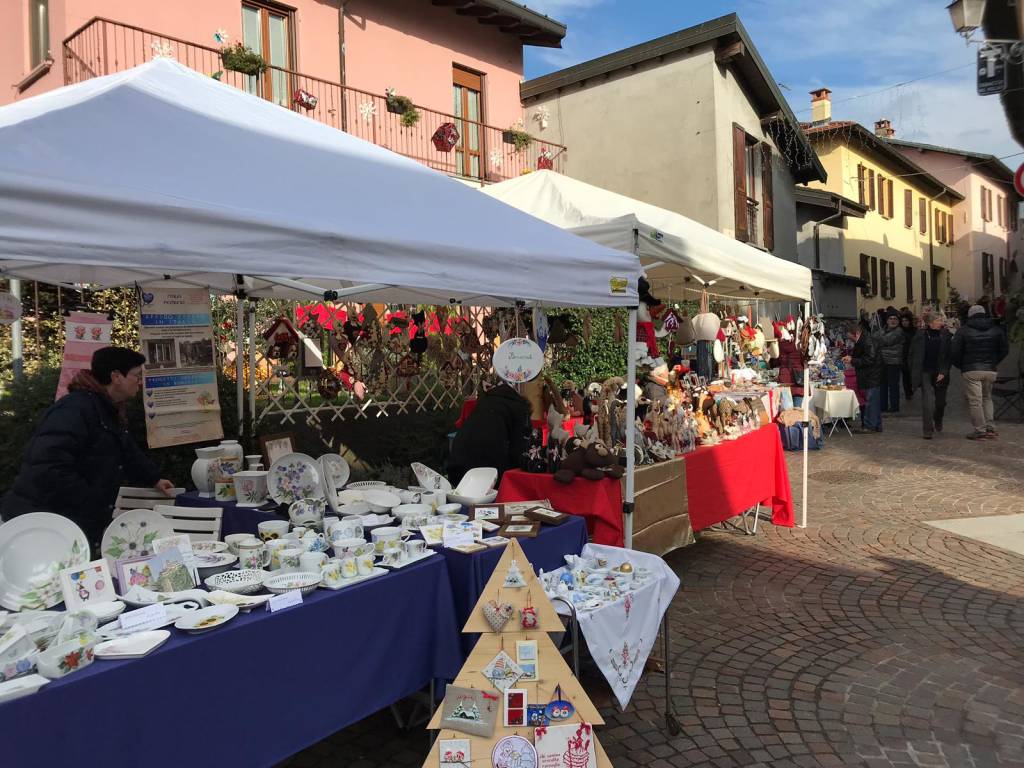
{"type": "Point", "coordinates": [140, 498]}
{"type": "Point", "coordinates": [200, 523]}
{"type": "Point", "coordinates": [1011, 397]}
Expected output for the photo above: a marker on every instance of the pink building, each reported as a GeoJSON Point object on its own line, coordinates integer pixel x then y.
{"type": "Point", "coordinates": [987, 247]}
{"type": "Point", "coordinates": [459, 61]}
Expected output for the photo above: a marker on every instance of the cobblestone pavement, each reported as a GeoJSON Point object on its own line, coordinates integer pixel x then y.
{"type": "Point", "coordinates": [867, 639]}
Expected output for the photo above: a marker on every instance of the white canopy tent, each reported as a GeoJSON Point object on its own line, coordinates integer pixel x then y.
{"type": "Point", "coordinates": [677, 253]}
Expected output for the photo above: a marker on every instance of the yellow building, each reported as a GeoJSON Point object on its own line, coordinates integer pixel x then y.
{"type": "Point", "coordinates": [902, 248]}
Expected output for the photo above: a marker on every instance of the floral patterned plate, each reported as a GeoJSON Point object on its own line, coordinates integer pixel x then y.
{"type": "Point", "coordinates": [294, 476]}
{"type": "Point", "coordinates": [132, 533]}
{"type": "Point", "coordinates": [34, 548]}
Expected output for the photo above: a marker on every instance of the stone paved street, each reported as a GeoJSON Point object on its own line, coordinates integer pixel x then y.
{"type": "Point", "coordinates": [867, 639]}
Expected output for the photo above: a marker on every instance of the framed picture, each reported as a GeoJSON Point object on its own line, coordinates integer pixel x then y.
{"type": "Point", "coordinates": [520, 530]}
{"type": "Point", "coordinates": [526, 657]}
{"type": "Point", "coordinates": [86, 584]}
{"type": "Point", "coordinates": [455, 753]}
{"type": "Point", "coordinates": [574, 739]}
{"type": "Point", "coordinates": [134, 572]}
{"type": "Point", "coordinates": [522, 507]}
{"type": "Point", "coordinates": [493, 513]}
{"type": "Point", "coordinates": [468, 549]}
{"type": "Point", "coordinates": [169, 572]}
{"type": "Point", "coordinates": [494, 541]}
{"type": "Point", "coordinates": [273, 447]}
{"type": "Point", "coordinates": [468, 710]}
{"type": "Point", "coordinates": [432, 534]}
{"type": "Point", "coordinates": [515, 707]}
{"type": "Point", "coordinates": [548, 516]}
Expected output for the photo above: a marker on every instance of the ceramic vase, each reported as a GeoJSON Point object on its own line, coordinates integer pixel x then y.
{"type": "Point", "coordinates": [250, 488]}
{"type": "Point", "coordinates": [232, 449]}
{"type": "Point", "coordinates": [203, 469]}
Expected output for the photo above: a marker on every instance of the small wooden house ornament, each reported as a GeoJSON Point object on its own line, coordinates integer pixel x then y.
{"type": "Point", "coordinates": [282, 339]}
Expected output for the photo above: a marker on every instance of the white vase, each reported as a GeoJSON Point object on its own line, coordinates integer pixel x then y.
{"type": "Point", "coordinates": [232, 449]}
{"type": "Point", "coordinates": [203, 468]}
{"type": "Point", "coordinates": [706, 326]}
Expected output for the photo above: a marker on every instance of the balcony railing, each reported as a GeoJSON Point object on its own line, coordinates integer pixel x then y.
{"type": "Point", "coordinates": [102, 47]}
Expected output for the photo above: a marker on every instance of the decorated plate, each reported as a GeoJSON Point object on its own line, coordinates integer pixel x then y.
{"type": "Point", "coordinates": [305, 581]}
{"type": "Point", "coordinates": [477, 482]}
{"type": "Point", "coordinates": [213, 559]}
{"type": "Point", "coordinates": [209, 546]}
{"type": "Point", "coordinates": [335, 471]}
{"type": "Point", "coordinates": [206, 618]}
{"type": "Point", "coordinates": [34, 549]}
{"type": "Point", "coordinates": [430, 479]}
{"type": "Point", "coordinates": [295, 476]}
{"type": "Point", "coordinates": [105, 611]}
{"type": "Point", "coordinates": [514, 752]}
{"type": "Point", "coordinates": [132, 533]}
{"type": "Point", "coordinates": [242, 582]}
{"type": "Point", "coordinates": [133, 646]}
{"type": "Point", "coordinates": [363, 484]}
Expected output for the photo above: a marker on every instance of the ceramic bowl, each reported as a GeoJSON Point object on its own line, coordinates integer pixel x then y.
{"type": "Point", "coordinates": [350, 496]}
{"type": "Point", "coordinates": [381, 500]}
{"type": "Point", "coordinates": [65, 658]}
{"type": "Point", "coordinates": [354, 508]}
{"type": "Point", "coordinates": [351, 546]}
{"type": "Point", "coordinates": [246, 581]}
{"type": "Point", "coordinates": [304, 581]}
{"type": "Point", "coordinates": [385, 536]}
{"type": "Point", "coordinates": [232, 541]}
{"type": "Point", "coordinates": [405, 510]}
{"type": "Point", "coordinates": [449, 509]}
{"type": "Point", "coordinates": [476, 482]}
{"type": "Point", "coordinates": [470, 501]}
{"type": "Point", "coordinates": [367, 484]}
{"type": "Point", "coordinates": [307, 511]}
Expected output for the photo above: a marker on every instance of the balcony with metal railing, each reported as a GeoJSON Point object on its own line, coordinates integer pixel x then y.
{"type": "Point", "coordinates": [445, 142]}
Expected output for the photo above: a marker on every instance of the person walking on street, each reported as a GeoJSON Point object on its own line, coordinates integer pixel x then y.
{"type": "Point", "coordinates": [891, 342]}
{"type": "Point", "coordinates": [908, 324]}
{"type": "Point", "coordinates": [977, 349]}
{"type": "Point", "coordinates": [866, 358]}
{"type": "Point", "coordinates": [929, 370]}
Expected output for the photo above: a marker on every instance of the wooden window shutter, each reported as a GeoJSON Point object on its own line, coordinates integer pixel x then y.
{"type": "Point", "coordinates": [910, 284]}
{"type": "Point", "coordinates": [938, 226]}
{"type": "Point", "coordinates": [924, 285]}
{"type": "Point", "coordinates": [871, 189]}
{"type": "Point", "coordinates": [892, 279]}
{"type": "Point", "coordinates": [908, 209]}
{"type": "Point", "coordinates": [865, 274]}
{"type": "Point", "coordinates": [874, 276]}
{"type": "Point", "coordinates": [888, 197]}
{"type": "Point", "coordinates": [949, 235]}
{"type": "Point", "coordinates": [885, 280]}
{"type": "Point", "coordinates": [881, 194]}
{"type": "Point", "coordinates": [923, 215]}
{"type": "Point", "coordinates": [861, 197]}
{"type": "Point", "coordinates": [766, 193]}
{"type": "Point", "coordinates": [739, 180]}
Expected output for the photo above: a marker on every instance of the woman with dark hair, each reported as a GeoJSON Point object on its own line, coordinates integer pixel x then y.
{"type": "Point", "coordinates": [495, 434]}
{"type": "Point", "coordinates": [81, 453]}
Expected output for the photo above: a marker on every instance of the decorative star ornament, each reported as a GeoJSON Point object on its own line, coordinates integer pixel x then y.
{"type": "Point", "coordinates": [162, 49]}
{"type": "Point", "coordinates": [368, 110]}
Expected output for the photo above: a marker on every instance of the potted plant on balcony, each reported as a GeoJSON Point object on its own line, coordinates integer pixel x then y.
{"type": "Point", "coordinates": [517, 136]}
{"type": "Point", "coordinates": [244, 60]}
{"type": "Point", "coordinates": [402, 105]}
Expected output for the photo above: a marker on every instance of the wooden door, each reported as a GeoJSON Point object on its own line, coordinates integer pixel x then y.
{"type": "Point", "coordinates": [267, 29]}
{"type": "Point", "coordinates": [467, 93]}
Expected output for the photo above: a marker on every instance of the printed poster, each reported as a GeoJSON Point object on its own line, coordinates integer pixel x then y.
{"type": "Point", "coordinates": [84, 333]}
{"type": "Point", "coordinates": [180, 385]}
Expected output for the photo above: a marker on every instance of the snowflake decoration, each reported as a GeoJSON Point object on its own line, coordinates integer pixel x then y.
{"type": "Point", "coordinates": [221, 36]}
{"type": "Point", "coordinates": [495, 158]}
{"type": "Point", "coordinates": [162, 49]}
{"type": "Point", "coordinates": [368, 110]}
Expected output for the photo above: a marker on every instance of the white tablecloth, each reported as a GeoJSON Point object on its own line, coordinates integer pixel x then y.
{"type": "Point", "coordinates": [620, 635]}
{"type": "Point", "coordinates": [835, 404]}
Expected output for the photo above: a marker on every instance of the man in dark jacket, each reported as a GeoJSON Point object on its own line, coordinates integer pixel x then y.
{"type": "Point", "coordinates": [866, 358]}
{"type": "Point", "coordinates": [929, 370]}
{"type": "Point", "coordinates": [81, 453]}
{"type": "Point", "coordinates": [977, 349]}
{"type": "Point", "coordinates": [890, 342]}
{"type": "Point", "coordinates": [908, 324]}
{"type": "Point", "coordinates": [495, 434]}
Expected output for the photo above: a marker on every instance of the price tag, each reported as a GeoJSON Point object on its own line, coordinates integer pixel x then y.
{"type": "Point", "coordinates": [287, 600]}
{"type": "Point", "coordinates": [150, 617]}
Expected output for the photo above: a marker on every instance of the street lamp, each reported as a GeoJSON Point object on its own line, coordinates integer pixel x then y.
{"type": "Point", "coordinates": [966, 15]}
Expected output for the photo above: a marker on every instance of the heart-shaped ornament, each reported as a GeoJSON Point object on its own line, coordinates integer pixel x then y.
{"type": "Point", "coordinates": [498, 614]}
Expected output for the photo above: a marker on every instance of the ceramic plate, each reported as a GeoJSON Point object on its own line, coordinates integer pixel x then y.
{"type": "Point", "coordinates": [213, 559]}
{"type": "Point", "coordinates": [206, 619]}
{"type": "Point", "coordinates": [132, 534]}
{"type": "Point", "coordinates": [209, 546]}
{"type": "Point", "coordinates": [105, 611]}
{"type": "Point", "coordinates": [477, 482]}
{"type": "Point", "coordinates": [134, 646]}
{"type": "Point", "coordinates": [381, 501]}
{"type": "Point", "coordinates": [430, 479]}
{"type": "Point", "coordinates": [198, 595]}
{"type": "Point", "coordinates": [295, 476]}
{"type": "Point", "coordinates": [34, 548]}
{"type": "Point", "coordinates": [409, 561]}
{"type": "Point", "coordinates": [363, 484]}
{"type": "Point", "coordinates": [243, 582]}
{"type": "Point", "coordinates": [305, 581]}
{"type": "Point", "coordinates": [336, 471]}
{"type": "Point", "coordinates": [350, 496]}
{"type": "Point", "coordinates": [244, 603]}
{"type": "Point", "coordinates": [358, 579]}
{"type": "Point", "coordinates": [21, 686]}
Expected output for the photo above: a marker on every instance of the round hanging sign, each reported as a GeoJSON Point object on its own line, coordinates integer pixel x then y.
{"type": "Point", "coordinates": [10, 308]}
{"type": "Point", "coordinates": [518, 360]}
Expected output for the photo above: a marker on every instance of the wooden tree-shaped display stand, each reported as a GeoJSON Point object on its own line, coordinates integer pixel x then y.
{"type": "Point", "coordinates": [552, 672]}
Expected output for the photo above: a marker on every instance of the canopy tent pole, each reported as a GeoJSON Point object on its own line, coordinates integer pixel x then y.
{"type": "Point", "coordinates": [17, 349]}
{"type": "Point", "coordinates": [240, 359]}
{"type": "Point", "coordinates": [807, 410]}
{"type": "Point", "coordinates": [627, 507]}
{"type": "Point", "coordinates": [252, 369]}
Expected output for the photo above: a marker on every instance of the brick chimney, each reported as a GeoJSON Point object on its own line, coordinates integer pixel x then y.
{"type": "Point", "coordinates": [821, 106]}
{"type": "Point", "coordinates": [884, 129]}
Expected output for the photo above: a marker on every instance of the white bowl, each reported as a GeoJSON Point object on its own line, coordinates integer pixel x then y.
{"type": "Point", "coordinates": [449, 509]}
{"type": "Point", "coordinates": [469, 501]}
{"type": "Point", "coordinates": [354, 508]}
{"type": "Point", "coordinates": [476, 482]}
{"type": "Point", "coordinates": [384, 535]}
{"type": "Point", "coordinates": [246, 581]}
{"type": "Point", "coordinates": [404, 510]}
{"type": "Point", "coordinates": [60, 660]}
{"type": "Point", "coordinates": [304, 581]}
{"type": "Point", "coordinates": [105, 611]}
{"type": "Point", "coordinates": [350, 496]}
{"type": "Point", "coordinates": [381, 501]}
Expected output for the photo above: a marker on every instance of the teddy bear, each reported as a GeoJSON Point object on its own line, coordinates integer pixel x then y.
{"type": "Point", "coordinates": [592, 461]}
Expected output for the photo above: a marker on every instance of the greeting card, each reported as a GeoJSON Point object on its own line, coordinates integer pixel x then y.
{"type": "Point", "coordinates": [89, 583]}
{"type": "Point", "coordinates": [455, 753]}
{"type": "Point", "coordinates": [565, 746]}
{"type": "Point", "coordinates": [503, 672]}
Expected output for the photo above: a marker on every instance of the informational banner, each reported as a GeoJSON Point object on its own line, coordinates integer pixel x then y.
{"type": "Point", "coordinates": [180, 386]}
{"type": "Point", "coordinates": [84, 333]}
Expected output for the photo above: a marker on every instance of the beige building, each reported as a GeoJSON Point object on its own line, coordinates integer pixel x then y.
{"type": "Point", "coordinates": [692, 122]}
{"type": "Point", "coordinates": [986, 232]}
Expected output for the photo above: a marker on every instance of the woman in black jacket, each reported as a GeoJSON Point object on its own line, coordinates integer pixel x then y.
{"type": "Point", "coordinates": [81, 453]}
{"type": "Point", "coordinates": [495, 434]}
{"type": "Point", "coordinates": [929, 361]}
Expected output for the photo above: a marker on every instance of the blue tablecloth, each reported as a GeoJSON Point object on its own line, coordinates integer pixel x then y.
{"type": "Point", "coordinates": [253, 692]}
{"type": "Point", "coordinates": [469, 573]}
{"type": "Point", "coordinates": [236, 519]}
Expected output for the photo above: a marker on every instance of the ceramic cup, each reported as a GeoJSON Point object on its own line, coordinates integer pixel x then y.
{"type": "Point", "coordinates": [253, 553]}
{"type": "Point", "coordinates": [393, 555]}
{"type": "Point", "coordinates": [272, 529]}
{"type": "Point", "coordinates": [330, 573]}
{"type": "Point", "coordinates": [433, 498]}
{"type": "Point", "coordinates": [252, 460]}
{"type": "Point", "coordinates": [307, 511]}
{"type": "Point", "coordinates": [289, 557]}
{"type": "Point", "coordinates": [364, 563]}
{"type": "Point", "coordinates": [232, 540]}
{"type": "Point", "coordinates": [274, 547]}
{"type": "Point", "coordinates": [387, 535]}
{"type": "Point", "coordinates": [250, 488]}
{"type": "Point", "coordinates": [329, 521]}
{"type": "Point", "coordinates": [414, 548]}
{"type": "Point", "coordinates": [353, 546]}
{"type": "Point", "coordinates": [349, 567]}
{"type": "Point", "coordinates": [349, 528]}
{"type": "Point", "coordinates": [296, 533]}
{"type": "Point", "coordinates": [312, 561]}
{"type": "Point", "coordinates": [409, 497]}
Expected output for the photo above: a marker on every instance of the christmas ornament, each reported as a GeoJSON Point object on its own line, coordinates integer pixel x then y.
{"type": "Point", "coordinates": [514, 579]}
{"type": "Point", "coordinates": [558, 708]}
{"type": "Point", "coordinates": [305, 99]}
{"type": "Point", "coordinates": [368, 111]}
{"type": "Point", "coordinates": [528, 617]}
{"type": "Point", "coordinates": [513, 752]}
{"type": "Point", "coordinates": [445, 137]}
{"type": "Point", "coordinates": [503, 672]}
{"type": "Point", "coordinates": [497, 614]}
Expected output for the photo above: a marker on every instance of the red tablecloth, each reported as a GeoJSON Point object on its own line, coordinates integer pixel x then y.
{"type": "Point", "coordinates": [600, 501]}
{"type": "Point", "coordinates": [725, 479]}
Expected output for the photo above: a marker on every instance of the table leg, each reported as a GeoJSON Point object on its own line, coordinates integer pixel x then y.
{"type": "Point", "coordinates": [671, 722]}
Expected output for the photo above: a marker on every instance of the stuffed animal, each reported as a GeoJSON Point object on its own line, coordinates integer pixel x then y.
{"type": "Point", "coordinates": [592, 461]}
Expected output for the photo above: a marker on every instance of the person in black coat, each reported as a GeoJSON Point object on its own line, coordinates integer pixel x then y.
{"type": "Point", "coordinates": [908, 324]}
{"type": "Point", "coordinates": [929, 361]}
{"type": "Point", "coordinates": [81, 453]}
{"type": "Point", "coordinates": [866, 358]}
{"type": "Point", "coordinates": [977, 349]}
{"type": "Point", "coordinates": [495, 434]}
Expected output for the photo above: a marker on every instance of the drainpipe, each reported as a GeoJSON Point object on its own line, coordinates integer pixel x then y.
{"type": "Point", "coordinates": [341, 63]}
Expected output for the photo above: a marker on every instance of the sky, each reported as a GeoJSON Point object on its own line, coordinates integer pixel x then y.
{"type": "Point", "coordinates": [854, 48]}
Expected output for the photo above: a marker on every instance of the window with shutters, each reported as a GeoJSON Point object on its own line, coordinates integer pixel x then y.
{"type": "Point", "coordinates": [940, 219]}
{"type": "Point", "coordinates": [1004, 277]}
{"type": "Point", "coordinates": [922, 215]}
{"type": "Point", "coordinates": [881, 195]}
{"type": "Point", "coordinates": [1000, 202]}
{"type": "Point", "coordinates": [987, 276]}
{"type": "Point", "coordinates": [924, 286]}
{"type": "Point", "coordinates": [888, 197]}
{"type": "Point", "coordinates": [949, 235]}
{"type": "Point", "coordinates": [986, 204]}
{"type": "Point", "coordinates": [741, 217]}
{"type": "Point", "coordinates": [767, 201]}
{"type": "Point", "coordinates": [910, 284]}
{"type": "Point", "coordinates": [1013, 206]}
{"type": "Point", "coordinates": [908, 209]}
{"type": "Point", "coordinates": [862, 196]}
{"type": "Point", "coordinates": [753, 194]}
{"type": "Point", "coordinates": [871, 189]}
{"type": "Point", "coordinates": [865, 274]}
{"type": "Point", "coordinates": [874, 276]}
{"type": "Point", "coordinates": [885, 279]}
{"type": "Point", "coordinates": [892, 280]}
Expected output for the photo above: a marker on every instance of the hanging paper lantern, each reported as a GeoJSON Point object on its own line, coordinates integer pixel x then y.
{"type": "Point", "coordinates": [445, 137]}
